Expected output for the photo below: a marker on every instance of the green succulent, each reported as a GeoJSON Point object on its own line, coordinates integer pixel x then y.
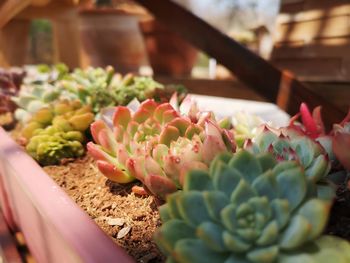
{"type": "Point", "coordinates": [130, 87]}
{"type": "Point", "coordinates": [68, 115]}
{"type": "Point", "coordinates": [57, 132]}
{"type": "Point", "coordinates": [288, 144]}
{"type": "Point", "coordinates": [248, 209]}
{"type": "Point", "coordinates": [50, 146]}
{"type": "Point", "coordinates": [44, 73]}
{"type": "Point", "coordinates": [91, 86]}
{"type": "Point", "coordinates": [100, 87]}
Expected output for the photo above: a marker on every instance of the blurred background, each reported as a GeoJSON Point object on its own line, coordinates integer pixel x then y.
{"type": "Point", "coordinates": [309, 38]}
{"type": "Point", "coordinates": [126, 26]}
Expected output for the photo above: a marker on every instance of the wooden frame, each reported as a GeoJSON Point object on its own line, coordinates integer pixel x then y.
{"type": "Point", "coordinates": [273, 84]}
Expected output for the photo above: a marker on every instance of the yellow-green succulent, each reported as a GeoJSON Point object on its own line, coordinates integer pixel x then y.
{"type": "Point", "coordinates": [57, 132]}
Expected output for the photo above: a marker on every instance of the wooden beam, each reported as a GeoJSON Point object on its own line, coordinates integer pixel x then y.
{"type": "Point", "coordinates": [256, 73]}
{"type": "Point", "coordinates": [251, 69]}
{"type": "Point", "coordinates": [10, 9]}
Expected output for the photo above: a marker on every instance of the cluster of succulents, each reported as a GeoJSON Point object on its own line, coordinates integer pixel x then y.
{"type": "Point", "coordinates": [130, 87]}
{"type": "Point", "coordinates": [96, 87]}
{"type": "Point", "coordinates": [43, 73]}
{"type": "Point", "coordinates": [156, 145]}
{"type": "Point", "coordinates": [57, 132]}
{"type": "Point", "coordinates": [34, 97]}
{"type": "Point", "coordinates": [249, 209]}
{"type": "Point", "coordinates": [91, 86]}
{"type": "Point", "coordinates": [100, 87]}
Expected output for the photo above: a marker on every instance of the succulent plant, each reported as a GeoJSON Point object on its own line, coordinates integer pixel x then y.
{"type": "Point", "coordinates": [245, 126]}
{"type": "Point", "coordinates": [130, 87]}
{"type": "Point", "coordinates": [57, 132]}
{"type": "Point", "coordinates": [312, 124]}
{"type": "Point", "coordinates": [34, 97]}
{"type": "Point", "coordinates": [67, 115]}
{"type": "Point", "coordinates": [156, 145]}
{"type": "Point", "coordinates": [290, 144]}
{"type": "Point", "coordinates": [100, 87]}
{"type": "Point", "coordinates": [43, 73]}
{"type": "Point", "coordinates": [49, 146]}
{"type": "Point", "coordinates": [91, 86]}
{"type": "Point", "coordinates": [248, 209]}
{"type": "Point", "coordinates": [336, 142]}
{"type": "Point", "coordinates": [10, 81]}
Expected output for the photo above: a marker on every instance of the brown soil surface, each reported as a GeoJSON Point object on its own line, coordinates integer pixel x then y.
{"type": "Point", "coordinates": [339, 221]}
{"type": "Point", "coordinates": [114, 208]}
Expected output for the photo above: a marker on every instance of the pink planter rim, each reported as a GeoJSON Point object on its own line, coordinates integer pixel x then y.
{"type": "Point", "coordinates": [67, 227]}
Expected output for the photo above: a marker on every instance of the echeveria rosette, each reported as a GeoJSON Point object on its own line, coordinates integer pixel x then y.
{"type": "Point", "coordinates": [247, 209]}
{"type": "Point", "coordinates": [155, 145]}
{"type": "Point", "coordinates": [290, 144]}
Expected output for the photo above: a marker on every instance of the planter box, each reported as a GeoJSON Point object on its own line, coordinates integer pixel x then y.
{"type": "Point", "coordinates": [55, 228]}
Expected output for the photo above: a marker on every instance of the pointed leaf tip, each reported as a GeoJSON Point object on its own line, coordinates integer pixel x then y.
{"type": "Point", "coordinates": [96, 127]}
{"type": "Point", "coordinates": [122, 116]}
{"type": "Point", "coordinates": [113, 173]}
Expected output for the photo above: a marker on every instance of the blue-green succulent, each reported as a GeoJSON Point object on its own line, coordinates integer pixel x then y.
{"type": "Point", "coordinates": [248, 209]}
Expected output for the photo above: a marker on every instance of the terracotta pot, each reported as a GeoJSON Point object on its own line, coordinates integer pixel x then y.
{"type": "Point", "coordinates": [111, 37]}
{"type": "Point", "coordinates": [168, 53]}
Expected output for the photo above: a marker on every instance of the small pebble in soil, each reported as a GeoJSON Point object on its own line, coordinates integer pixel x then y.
{"type": "Point", "coordinates": [115, 221]}
{"type": "Point", "coordinates": [123, 232]}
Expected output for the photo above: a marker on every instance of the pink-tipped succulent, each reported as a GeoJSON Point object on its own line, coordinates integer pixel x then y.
{"type": "Point", "coordinates": [156, 145]}
{"type": "Point", "coordinates": [336, 142]}
{"type": "Point", "coordinates": [312, 123]}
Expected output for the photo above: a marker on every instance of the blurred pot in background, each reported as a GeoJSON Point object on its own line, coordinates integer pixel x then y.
{"type": "Point", "coordinates": [111, 37]}
{"type": "Point", "coordinates": [167, 52]}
